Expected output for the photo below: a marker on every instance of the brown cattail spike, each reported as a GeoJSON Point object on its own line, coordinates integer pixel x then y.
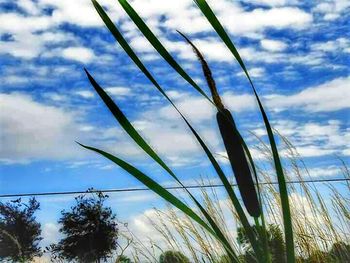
{"type": "Point", "coordinates": [207, 73]}
{"type": "Point", "coordinates": [232, 142]}
{"type": "Point", "coordinates": [239, 162]}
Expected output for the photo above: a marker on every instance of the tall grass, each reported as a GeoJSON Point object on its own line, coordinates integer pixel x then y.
{"type": "Point", "coordinates": [319, 220]}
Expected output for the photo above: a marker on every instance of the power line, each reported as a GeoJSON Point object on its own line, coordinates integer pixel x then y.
{"type": "Point", "coordinates": [168, 188]}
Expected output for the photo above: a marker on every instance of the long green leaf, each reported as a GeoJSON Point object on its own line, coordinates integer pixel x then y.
{"type": "Point", "coordinates": [146, 31]}
{"type": "Point", "coordinates": [288, 228]}
{"type": "Point", "coordinates": [118, 36]}
{"type": "Point", "coordinates": [127, 126]}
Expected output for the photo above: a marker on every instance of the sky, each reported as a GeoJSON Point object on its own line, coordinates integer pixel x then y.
{"type": "Point", "coordinates": [297, 53]}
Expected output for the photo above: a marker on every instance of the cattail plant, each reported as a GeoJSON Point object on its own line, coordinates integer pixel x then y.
{"type": "Point", "coordinates": [232, 141]}
{"type": "Point", "coordinates": [238, 152]}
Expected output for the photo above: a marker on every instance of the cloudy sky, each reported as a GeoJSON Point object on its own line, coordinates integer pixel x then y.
{"type": "Point", "coordinates": [297, 53]}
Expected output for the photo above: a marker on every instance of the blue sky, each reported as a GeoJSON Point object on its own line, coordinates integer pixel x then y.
{"type": "Point", "coordinates": [297, 53]}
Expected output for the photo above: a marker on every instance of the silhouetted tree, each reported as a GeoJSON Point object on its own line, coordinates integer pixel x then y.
{"type": "Point", "coordinates": [90, 231]}
{"type": "Point", "coordinates": [19, 231]}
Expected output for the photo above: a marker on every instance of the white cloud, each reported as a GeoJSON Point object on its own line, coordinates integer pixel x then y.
{"type": "Point", "coordinates": [176, 143]}
{"type": "Point", "coordinates": [31, 130]}
{"type": "Point", "coordinates": [328, 171]}
{"type": "Point", "coordinates": [273, 45]}
{"type": "Point", "coordinates": [85, 94]}
{"type": "Point", "coordinates": [119, 91]}
{"type": "Point", "coordinates": [330, 96]}
{"type": "Point", "coordinates": [55, 96]}
{"type": "Point", "coordinates": [80, 54]}
{"type": "Point", "coordinates": [235, 18]}
{"type": "Point", "coordinates": [254, 72]}
{"type": "Point", "coordinates": [312, 139]}
{"type": "Point", "coordinates": [338, 45]}
{"type": "Point", "coordinates": [238, 21]}
{"type": "Point", "coordinates": [332, 9]}
{"type": "Point", "coordinates": [269, 2]}
{"type": "Point", "coordinates": [198, 109]}
{"type": "Point", "coordinates": [212, 49]}
{"type": "Point", "coordinates": [78, 12]}
{"type": "Point", "coordinates": [57, 129]}
{"type": "Point", "coordinates": [15, 23]}
{"type": "Point", "coordinates": [261, 19]}
{"type": "Point", "coordinates": [32, 32]}
{"type": "Point", "coordinates": [27, 45]}
{"type": "Point", "coordinates": [28, 6]}
{"type": "Point", "coordinates": [50, 233]}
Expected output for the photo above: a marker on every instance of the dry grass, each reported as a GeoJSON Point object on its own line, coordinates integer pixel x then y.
{"type": "Point", "coordinates": [320, 218]}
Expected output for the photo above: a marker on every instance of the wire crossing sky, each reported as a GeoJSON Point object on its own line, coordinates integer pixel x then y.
{"type": "Point", "coordinates": [167, 188]}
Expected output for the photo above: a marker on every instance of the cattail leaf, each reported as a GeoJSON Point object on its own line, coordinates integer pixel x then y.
{"type": "Point", "coordinates": [288, 227]}
{"type": "Point", "coordinates": [153, 40]}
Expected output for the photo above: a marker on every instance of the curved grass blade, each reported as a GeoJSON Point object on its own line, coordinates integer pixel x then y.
{"type": "Point", "coordinates": [288, 228]}
{"type": "Point", "coordinates": [127, 126]}
{"type": "Point", "coordinates": [162, 192]}
{"type": "Point", "coordinates": [153, 40]}
{"type": "Point", "coordinates": [120, 39]}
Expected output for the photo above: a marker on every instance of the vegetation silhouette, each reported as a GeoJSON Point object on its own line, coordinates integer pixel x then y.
{"type": "Point", "coordinates": [19, 231]}
{"type": "Point", "coordinates": [90, 231]}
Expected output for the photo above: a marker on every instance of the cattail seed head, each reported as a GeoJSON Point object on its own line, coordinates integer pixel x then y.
{"type": "Point", "coordinates": [238, 161]}
{"type": "Point", "coordinates": [232, 142]}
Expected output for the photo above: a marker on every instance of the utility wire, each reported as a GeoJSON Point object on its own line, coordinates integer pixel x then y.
{"type": "Point", "coordinates": [168, 188]}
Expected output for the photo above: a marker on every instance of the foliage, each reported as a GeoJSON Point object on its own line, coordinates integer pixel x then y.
{"type": "Point", "coordinates": [19, 231]}
{"type": "Point", "coordinates": [173, 257]}
{"type": "Point", "coordinates": [90, 231]}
